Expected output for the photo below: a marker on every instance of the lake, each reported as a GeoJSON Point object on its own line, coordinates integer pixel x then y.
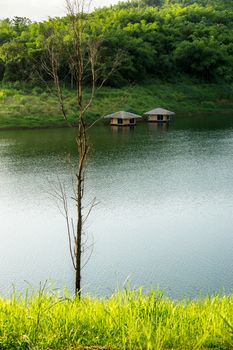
{"type": "Point", "coordinates": [165, 212]}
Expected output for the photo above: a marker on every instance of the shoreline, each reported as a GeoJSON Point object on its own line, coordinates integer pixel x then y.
{"type": "Point", "coordinates": [22, 108]}
{"type": "Point", "coordinates": [48, 127]}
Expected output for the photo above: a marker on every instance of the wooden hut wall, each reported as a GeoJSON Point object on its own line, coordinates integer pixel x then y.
{"type": "Point", "coordinates": [126, 122]}
{"type": "Point", "coordinates": [114, 121]}
{"type": "Point", "coordinates": [154, 118]}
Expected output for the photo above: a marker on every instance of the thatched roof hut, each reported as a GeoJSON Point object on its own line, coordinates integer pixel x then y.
{"type": "Point", "coordinates": [123, 118]}
{"type": "Point", "coordinates": [159, 115]}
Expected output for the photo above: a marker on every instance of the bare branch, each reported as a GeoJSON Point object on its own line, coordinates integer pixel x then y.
{"type": "Point", "coordinates": [93, 204]}
{"type": "Point", "coordinates": [83, 56]}
{"type": "Point", "coordinates": [116, 63]}
{"type": "Point", "coordinates": [66, 211]}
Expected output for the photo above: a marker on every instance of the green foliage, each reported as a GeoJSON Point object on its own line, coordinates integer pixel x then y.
{"type": "Point", "coordinates": [155, 38]}
{"type": "Point", "coordinates": [200, 58]}
{"type": "Point", "coordinates": [28, 106]}
{"type": "Point", "coordinates": [126, 320]}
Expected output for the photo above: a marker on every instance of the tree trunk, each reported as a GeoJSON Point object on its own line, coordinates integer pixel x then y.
{"type": "Point", "coordinates": [82, 144]}
{"type": "Point", "coordinates": [79, 237]}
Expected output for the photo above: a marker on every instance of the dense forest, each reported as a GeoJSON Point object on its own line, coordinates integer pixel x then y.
{"type": "Point", "coordinates": [165, 39]}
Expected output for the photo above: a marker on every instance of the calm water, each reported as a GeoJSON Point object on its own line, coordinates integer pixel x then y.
{"type": "Point", "coordinates": [165, 213]}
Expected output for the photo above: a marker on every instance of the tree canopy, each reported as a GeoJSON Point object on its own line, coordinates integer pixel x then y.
{"type": "Point", "coordinates": [156, 38]}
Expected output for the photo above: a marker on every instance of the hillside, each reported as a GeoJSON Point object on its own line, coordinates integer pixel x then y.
{"type": "Point", "coordinates": [25, 106]}
{"type": "Point", "coordinates": [154, 38]}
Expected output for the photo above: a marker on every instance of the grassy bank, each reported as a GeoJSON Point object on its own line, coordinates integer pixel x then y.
{"type": "Point", "coordinates": [127, 320]}
{"type": "Point", "coordinates": [23, 106]}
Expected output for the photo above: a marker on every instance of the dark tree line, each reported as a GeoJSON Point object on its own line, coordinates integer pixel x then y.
{"type": "Point", "coordinates": [156, 38]}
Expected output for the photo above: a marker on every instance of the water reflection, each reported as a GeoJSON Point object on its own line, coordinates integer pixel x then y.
{"type": "Point", "coordinates": [165, 214]}
{"type": "Point", "coordinates": [122, 129]}
{"type": "Point", "coordinates": [158, 126]}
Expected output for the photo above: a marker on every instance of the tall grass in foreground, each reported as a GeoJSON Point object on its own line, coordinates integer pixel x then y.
{"type": "Point", "coordinates": [126, 320]}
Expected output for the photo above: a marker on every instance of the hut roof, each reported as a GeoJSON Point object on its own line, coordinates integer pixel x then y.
{"type": "Point", "coordinates": [159, 111]}
{"type": "Point", "coordinates": [122, 115]}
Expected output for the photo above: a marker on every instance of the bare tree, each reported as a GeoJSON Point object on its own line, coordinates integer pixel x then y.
{"type": "Point", "coordinates": [82, 55]}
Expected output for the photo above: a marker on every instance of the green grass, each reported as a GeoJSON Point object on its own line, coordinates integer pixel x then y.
{"type": "Point", "coordinates": [24, 106]}
{"type": "Point", "coordinates": [126, 320]}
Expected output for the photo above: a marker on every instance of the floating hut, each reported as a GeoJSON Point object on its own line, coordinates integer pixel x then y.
{"type": "Point", "coordinates": [123, 118]}
{"type": "Point", "coordinates": [159, 115]}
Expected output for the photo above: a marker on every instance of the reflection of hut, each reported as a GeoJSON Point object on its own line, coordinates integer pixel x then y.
{"type": "Point", "coordinates": [158, 126]}
{"type": "Point", "coordinates": [159, 115]}
{"type": "Point", "coordinates": [123, 118]}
